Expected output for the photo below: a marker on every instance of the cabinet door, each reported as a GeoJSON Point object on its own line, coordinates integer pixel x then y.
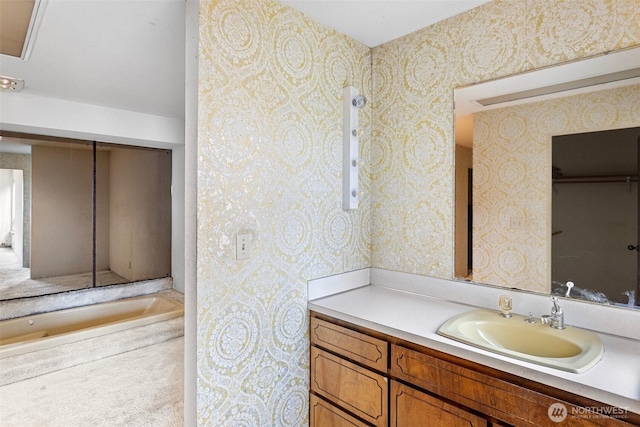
{"type": "Point", "coordinates": [412, 408]}
{"type": "Point", "coordinates": [324, 414]}
{"type": "Point", "coordinates": [360, 348]}
{"type": "Point", "coordinates": [352, 387]}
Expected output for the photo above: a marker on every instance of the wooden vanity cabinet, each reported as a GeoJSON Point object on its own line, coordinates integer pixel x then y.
{"type": "Point", "coordinates": [497, 395]}
{"type": "Point", "coordinates": [342, 373]}
{"type": "Point", "coordinates": [411, 407]}
{"type": "Point", "coordinates": [323, 413]}
{"type": "Point", "coordinates": [361, 377]}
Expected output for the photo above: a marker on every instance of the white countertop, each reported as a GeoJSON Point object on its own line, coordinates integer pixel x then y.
{"type": "Point", "coordinates": [615, 380]}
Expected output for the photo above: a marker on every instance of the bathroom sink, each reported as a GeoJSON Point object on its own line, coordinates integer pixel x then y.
{"type": "Point", "coordinates": [571, 349]}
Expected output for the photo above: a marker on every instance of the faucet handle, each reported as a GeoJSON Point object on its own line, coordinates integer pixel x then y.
{"type": "Point", "coordinates": [505, 303]}
{"type": "Point", "coordinates": [530, 319]}
{"type": "Point", "coordinates": [570, 285]}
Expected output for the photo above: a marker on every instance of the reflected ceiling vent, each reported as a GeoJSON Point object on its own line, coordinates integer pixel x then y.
{"type": "Point", "coordinates": [19, 21]}
{"type": "Point", "coordinates": [9, 84]}
{"type": "Point", "coordinates": [561, 87]}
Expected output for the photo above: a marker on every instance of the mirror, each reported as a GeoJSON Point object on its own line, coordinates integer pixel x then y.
{"type": "Point", "coordinates": [513, 122]}
{"type": "Point", "coordinates": [73, 216]}
{"type": "Point", "coordinates": [595, 215]}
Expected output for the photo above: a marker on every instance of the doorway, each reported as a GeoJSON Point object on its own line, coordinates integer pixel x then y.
{"type": "Point", "coordinates": [595, 215]}
{"type": "Point", "coordinates": [11, 218]}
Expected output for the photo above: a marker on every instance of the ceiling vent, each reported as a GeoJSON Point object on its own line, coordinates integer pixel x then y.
{"type": "Point", "coordinates": [562, 87]}
{"type": "Point", "coordinates": [19, 21]}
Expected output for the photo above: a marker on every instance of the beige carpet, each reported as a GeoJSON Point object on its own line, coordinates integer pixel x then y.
{"type": "Point", "coordinates": [15, 283]}
{"type": "Point", "coordinates": [8, 259]}
{"type": "Point", "coordinates": [138, 388]}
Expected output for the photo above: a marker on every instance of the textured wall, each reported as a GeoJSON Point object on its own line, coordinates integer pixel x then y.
{"type": "Point", "coordinates": [269, 150]}
{"type": "Point", "coordinates": [140, 213]}
{"type": "Point", "coordinates": [269, 164]}
{"type": "Point", "coordinates": [512, 170]}
{"type": "Point", "coordinates": [62, 210]}
{"type": "Point", "coordinates": [413, 79]}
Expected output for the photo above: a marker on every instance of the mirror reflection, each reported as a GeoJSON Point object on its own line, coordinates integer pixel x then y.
{"type": "Point", "coordinates": [595, 215]}
{"type": "Point", "coordinates": [72, 217]}
{"type": "Point", "coordinates": [504, 235]}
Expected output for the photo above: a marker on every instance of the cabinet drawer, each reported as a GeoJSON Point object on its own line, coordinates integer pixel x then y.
{"type": "Point", "coordinates": [471, 389]}
{"type": "Point", "coordinates": [324, 414]}
{"type": "Point", "coordinates": [410, 408]}
{"type": "Point", "coordinates": [353, 345]}
{"type": "Point", "coordinates": [495, 397]}
{"type": "Point", "coordinates": [352, 387]}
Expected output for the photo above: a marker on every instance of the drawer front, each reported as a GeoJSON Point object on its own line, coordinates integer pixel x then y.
{"type": "Point", "coordinates": [353, 345]}
{"type": "Point", "coordinates": [471, 389]}
{"type": "Point", "coordinates": [352, 387]}
{"type": "Point", "coordinates": [410, 408]}
{"type": "Point", "coordinates": [324, 414]}
{"type": "Point", "coordinates": [494, 397]}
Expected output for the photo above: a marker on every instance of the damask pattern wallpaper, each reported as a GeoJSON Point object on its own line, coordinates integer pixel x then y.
{"type": "Point", "coordinates": [412, 154]}
{"type": "Point", "coordinates": [512, 169]}
{"type": "Point", "coordinates": [270, 165]}
{"type": "Point", "coordinates": [269, 153]}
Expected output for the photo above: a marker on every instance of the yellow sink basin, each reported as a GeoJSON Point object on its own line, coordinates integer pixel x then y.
{"type": "Point", "coordinates": [570, 349]}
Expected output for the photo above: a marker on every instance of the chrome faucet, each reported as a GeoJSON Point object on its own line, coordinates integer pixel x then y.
{"type": "Point", "coordinates": [556, 319]}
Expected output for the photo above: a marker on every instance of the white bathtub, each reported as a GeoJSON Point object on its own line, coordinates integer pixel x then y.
{"type": "Point", "coordinates": [41, 331]}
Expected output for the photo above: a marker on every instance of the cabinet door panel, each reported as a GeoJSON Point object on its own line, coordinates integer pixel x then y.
{"type": "Point", "coordinates": [324, 414]}
{"type": "Point", "coordinates": [353, 345]}
{"type": "Point", "coordinates": [412, 408]}
{"type": "Point", "coordinates": [358, 390]}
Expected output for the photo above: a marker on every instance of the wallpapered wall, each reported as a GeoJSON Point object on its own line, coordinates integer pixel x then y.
{"type": "Point", "coordinates": [269, 164]}
{"type": "Point", "coordinates": [269, 150]}
{"type": "Point", "coordinates": [413, 79]}
{"type": "Point", "coordinates": [512, 170]}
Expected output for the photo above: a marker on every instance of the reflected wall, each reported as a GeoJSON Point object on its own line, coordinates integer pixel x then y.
{"type": "Point", "coordinates": [62, 209]}
{"type": "Point", "coordinates": [512, 179]}
{"type": "Point", "coordinates": [98, 214]}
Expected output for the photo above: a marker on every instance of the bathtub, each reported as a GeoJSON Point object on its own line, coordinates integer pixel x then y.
{"type": "Point", "coordinates": [46, 330]}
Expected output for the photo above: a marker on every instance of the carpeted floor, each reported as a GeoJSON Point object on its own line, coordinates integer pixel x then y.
{"type": "Point", "coordinates": [15, 281]}
{"type": "Point", "coordinates": [138, 388]}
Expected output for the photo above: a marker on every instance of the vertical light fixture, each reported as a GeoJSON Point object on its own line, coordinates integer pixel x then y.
{"type": "Point", "coordinates": [352, 102]}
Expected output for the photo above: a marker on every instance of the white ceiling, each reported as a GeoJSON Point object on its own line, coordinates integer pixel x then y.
{"type": "Point", "coordinates": [375, 22]}
{"type": "Point", "coordinates": [126, 54]}
{"type": "Point", "coordinates": [129, 54]}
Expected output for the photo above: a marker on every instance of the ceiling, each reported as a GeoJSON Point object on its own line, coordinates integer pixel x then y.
{"type": "Point", "coordinates": [121, 54]}
{"type": "Point", "coordinates": [375, 22]}
{"type": "Point", "coordinates": [129, 54]}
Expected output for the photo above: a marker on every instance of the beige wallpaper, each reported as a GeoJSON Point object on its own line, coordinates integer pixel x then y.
{"type": "Point", "coordinates": [269, 164]}
{"type": "Point", "coordinates": [512, 170]}
{"type": "Point", "coordinates": [269, 150]}
{"type": "Point", "coordinates": [413, 79]}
